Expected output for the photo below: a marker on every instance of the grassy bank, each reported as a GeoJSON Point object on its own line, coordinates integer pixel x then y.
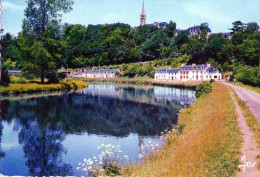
{"type": "Point", "coordinates": [125, 80]}
{"type": "Point", "coordinates": [251, 122]}
{"type": "Point", "coordinates": [208, 145]}
{"type": "Point", "coordinates": [249, 87]}
{"type": "Point", "coordinates": [34, 87]}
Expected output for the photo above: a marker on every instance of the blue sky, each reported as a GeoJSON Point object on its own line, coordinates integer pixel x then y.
{"type": "Point", "coordinates": [218, 13]}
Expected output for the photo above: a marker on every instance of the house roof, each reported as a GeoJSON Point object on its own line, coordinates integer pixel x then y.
{"type": "Point", "coordinates": [196, 28]}
{"type": "Point", "coordinates": [193, 67]}
{"type": "Point", "coordinates": [163, 24]}
{"type": "Point", "coordinates": [213, 70]}
{"type": "Point", "coordinates": [167, 70]}
{"type": "Point", "coordinates": [101, 71]}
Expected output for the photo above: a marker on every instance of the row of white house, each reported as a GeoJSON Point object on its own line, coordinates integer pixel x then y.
{"type": "Point", "coordinates": [204, 72]}
{"type": "Point", "coordinates": [192, 72]}
{"type": "Point", "coordinates": [100, 73]}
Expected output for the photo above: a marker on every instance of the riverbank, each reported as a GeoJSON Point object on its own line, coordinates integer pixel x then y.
{"type": "Point", "coordinates": [34, 87]}
{"type": "Point", "coordinates": [148, 81]}
{"type": "Point", "coordinates": [198, 145]}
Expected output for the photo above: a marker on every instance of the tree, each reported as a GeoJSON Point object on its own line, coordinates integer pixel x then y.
{"type": "Point", "coordinates": [182, 38]}
{"type": "Point", "coordinates": [7, 42]}
{"type": "Point", "coordinates": [238, 26]}
{"type": "Point", "coordinates": [42, 25]}
{"type": "Point", "coordinates": [252, 27]}
{"type": "Point", "coordinates": [215, 45]}
{"type": "Point", "coordinates": [170, 28]}
{"type": "Point", "coordinates": [248, 52]}
{"type": "Point", "coordinates": [203, 32]}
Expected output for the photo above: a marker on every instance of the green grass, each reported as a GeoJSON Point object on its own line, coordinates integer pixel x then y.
{"type": "Point", "coordinates": [34, 87]}
{"type": "Point", "coordinates": [249, 87]}
{"type": "Point", "coordinates": [208, 145]}
{"type": "Point", "coordinates": [142, 80]}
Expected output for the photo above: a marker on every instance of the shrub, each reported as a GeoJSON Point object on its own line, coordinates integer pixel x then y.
{"type": "Point", "coordinates": [248, 75]}
{"type": "Point", "coordinates": [212, 80]}
{"type": "Point", "coordinates": [52, 77]}
{"type": "Point", "coordinates": [18, 80]}
{"type": "Point", "coordinates": [203, 88]}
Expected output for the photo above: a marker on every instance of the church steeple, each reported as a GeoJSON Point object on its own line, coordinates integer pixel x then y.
{"type": "Point", "coordinates": [143, 17]}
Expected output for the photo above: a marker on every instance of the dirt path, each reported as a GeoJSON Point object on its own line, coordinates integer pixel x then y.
{"type": "Point", "coordinates": [249, 151]}
{"type": "Point", "coordinates": [251, 98]}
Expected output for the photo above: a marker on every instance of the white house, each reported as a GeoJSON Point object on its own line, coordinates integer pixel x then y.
{"type": "Point", "coordinates": [100, 73]}
{"type": "Point", "coordinates": [192, 72]}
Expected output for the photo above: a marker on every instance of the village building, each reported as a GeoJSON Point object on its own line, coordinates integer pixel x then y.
{"type": "Point", "coordinates": [195, 30]}
{"type": "Point", "coordinates": [204, 72]}
{"type": "Point", "coordinates": [143, 20]}
{"type": "Point", "coordinates": [14, 72]}
{"type": "Point", "coordinates": [143, 16]}
{"type": "Point", "coordinates": [100, 73]}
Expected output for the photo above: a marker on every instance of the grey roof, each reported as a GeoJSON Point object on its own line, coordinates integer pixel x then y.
{"type": "Point", "coordinates": [213, 70]}
{"type": "Point", "coordinates": [163, 24]}
{"type": "Point", "coordinates": [188, 68]}
{"type": "Point", "coordinates": [178, 30]}
{"type": "Point", "coordinates": [167, 70]}
{"type": "Point", "coordinates": [227, 34]}
{"type": "Point", "coordinates": [193, 67]}
{"type": "Point", "coordinates": [196, 28]}
{"type": "Point", "coordinates": [101, 71]}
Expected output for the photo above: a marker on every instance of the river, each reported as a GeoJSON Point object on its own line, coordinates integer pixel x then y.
{"type": "Point", "coordinates": [50, 135]}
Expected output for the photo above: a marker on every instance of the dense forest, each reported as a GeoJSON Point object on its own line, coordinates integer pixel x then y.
{"type": "Point", "coordinates": [40, 50]}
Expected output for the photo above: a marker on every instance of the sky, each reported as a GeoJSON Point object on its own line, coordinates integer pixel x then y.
{"type": "Point", "coordinates": [186, 13]}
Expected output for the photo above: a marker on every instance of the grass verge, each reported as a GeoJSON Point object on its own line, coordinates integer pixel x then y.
{"type": "Point", "coordinates": [208, 145]}
{"type": "Point", "coordinates": [249, 87]}
{"type": "Point", "coordinates": [125, 80]}
{"type": "Point", "coordinates": [34, 87]}
{"type": "Point", "coordinates": [251, 122]}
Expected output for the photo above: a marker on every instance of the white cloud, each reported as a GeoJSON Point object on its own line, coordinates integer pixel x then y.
{"type": "Point", "coordinates": [11, 6]}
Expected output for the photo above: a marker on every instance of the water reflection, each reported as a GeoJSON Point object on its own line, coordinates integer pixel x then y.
{"type": "Point", "coordinates": [43, 149]}
{"type": "Point", "coordinates": [56, 132]}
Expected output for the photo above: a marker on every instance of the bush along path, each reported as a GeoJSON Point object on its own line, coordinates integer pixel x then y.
{"type": "Point", "coordinates": [249, 151]}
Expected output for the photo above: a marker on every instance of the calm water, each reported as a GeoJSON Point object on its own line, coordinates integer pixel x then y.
{"type": "Point", "coordinates": [50, 135]}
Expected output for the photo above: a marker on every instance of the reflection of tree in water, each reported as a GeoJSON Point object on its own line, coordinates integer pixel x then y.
{"type": "Point", "coordinates": [96, 114]}
{"type": "Point", "coordinates": [3, 108]}
{"type": "Point", "coordinates": [43, 149]}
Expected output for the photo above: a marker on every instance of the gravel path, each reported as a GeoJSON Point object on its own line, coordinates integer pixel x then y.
{"type": "Point", "coordinates": [249, 150]}
{"type": "Point", "coordinates": [252, 99]}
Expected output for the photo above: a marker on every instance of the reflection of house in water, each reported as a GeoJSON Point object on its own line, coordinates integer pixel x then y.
{"type": "Point", "coordinates": [102, 90]}
{"type": "Point", "coordinates": [184, 96]}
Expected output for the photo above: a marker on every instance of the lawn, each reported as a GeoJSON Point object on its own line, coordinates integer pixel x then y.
{"type": "Point", "coordinates": [35, 87]}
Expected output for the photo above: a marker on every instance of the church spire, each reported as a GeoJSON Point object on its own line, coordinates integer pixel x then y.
{"type": "Point", "coordinates": [143, 11]}
{"type": "Point", "coordinates": [143, 16]}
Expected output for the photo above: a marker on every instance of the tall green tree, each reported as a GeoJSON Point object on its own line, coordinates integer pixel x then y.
{"type": "Point", "coordinates": [42, 24]}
